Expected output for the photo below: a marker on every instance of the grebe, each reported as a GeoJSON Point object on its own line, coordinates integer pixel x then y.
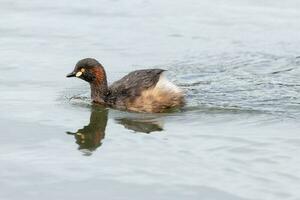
{"type": "Point", "coordinates": [144, 90]}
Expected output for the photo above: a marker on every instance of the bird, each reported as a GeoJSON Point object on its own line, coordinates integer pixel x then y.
{"type": "Point", "coordinates": [145, 90]}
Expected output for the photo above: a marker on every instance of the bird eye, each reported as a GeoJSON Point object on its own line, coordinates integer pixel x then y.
{"type": "Point", "coordinates": [82, 70]}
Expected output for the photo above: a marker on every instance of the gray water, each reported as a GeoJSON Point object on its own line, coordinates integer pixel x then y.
{"type": "Point", "coordinates": [237, 137]}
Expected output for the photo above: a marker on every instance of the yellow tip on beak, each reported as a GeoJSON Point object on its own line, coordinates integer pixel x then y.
{"type": "Point", "coordinates": [78, 74]}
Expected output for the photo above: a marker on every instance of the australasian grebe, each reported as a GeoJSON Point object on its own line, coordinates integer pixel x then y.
{"type": "Point", "coordinates": [144, 90]}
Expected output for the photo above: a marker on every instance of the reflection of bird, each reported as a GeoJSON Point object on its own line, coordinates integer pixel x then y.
{"type": "Point", "coordinates": [90, 136]}
{"type": "Point", "coordinates": [140, 91]}
{"type": "Point", "coordinates": [139, 125]}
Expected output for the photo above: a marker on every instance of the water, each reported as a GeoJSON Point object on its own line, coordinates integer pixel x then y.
{"type": "Point", "coordinates": [237, 137]}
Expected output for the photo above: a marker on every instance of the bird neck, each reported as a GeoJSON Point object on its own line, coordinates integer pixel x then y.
{"type": "Point", "coordinates": [99, 93]}
{"type": "Point", "coordinates": [99, 88]}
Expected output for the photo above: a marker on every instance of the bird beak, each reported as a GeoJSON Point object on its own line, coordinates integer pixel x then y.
{"type": "Point", "coordinates": [72, 74]}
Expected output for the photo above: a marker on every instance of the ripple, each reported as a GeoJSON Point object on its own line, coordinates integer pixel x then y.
{"type": "Point", "coordinates": [246, 82]}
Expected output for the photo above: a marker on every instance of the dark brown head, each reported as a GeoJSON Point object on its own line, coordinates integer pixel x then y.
{"type": "Point", "coordinates": [90, 70]}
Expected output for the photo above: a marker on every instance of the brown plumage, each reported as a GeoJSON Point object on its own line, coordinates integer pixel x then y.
{"type": "Point", "coordinates": [140, 91]}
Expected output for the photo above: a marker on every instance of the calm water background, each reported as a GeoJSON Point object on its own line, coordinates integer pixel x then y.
{"type": "Point", "coordinates": [237, 138]}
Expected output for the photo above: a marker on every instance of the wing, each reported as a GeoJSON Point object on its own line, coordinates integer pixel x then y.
{"type": "Point", "coordinates": [134, 83]}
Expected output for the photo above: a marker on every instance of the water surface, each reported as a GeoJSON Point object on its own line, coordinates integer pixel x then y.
{"type": "Point", "coordinates": [237, 137]}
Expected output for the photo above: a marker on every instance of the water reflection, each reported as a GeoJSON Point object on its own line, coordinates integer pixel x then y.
{"type": "Point", "coordinates": [90, 137]}
{"type": "Point", "coordinates": [141, 125]}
